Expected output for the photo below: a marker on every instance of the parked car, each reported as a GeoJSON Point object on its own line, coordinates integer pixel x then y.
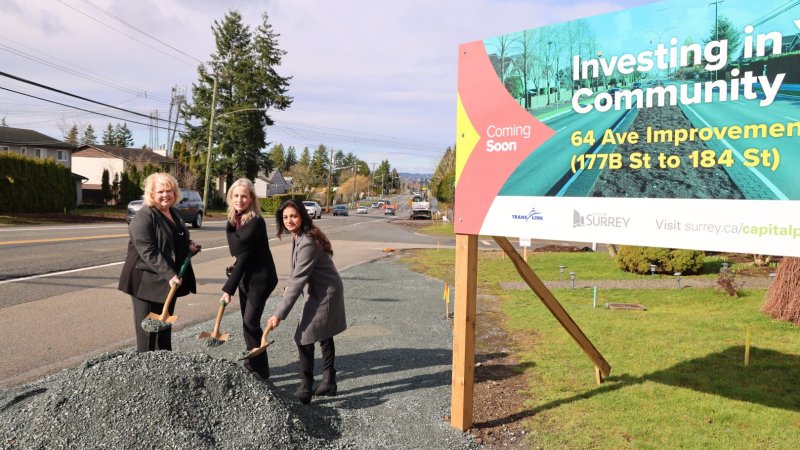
{"type": "Point", "coordinates": [376, 205]}
{"type": "Point", "coordinates": [340, 210]}
{"type": "Point", "coordinates": [361, 210]}
{"type": "Point", "coordinates": [190, 208]}
{"type": "Point", "coordinates": [388, 211]}
{"type": "Point", "coordinates": [313, 208]}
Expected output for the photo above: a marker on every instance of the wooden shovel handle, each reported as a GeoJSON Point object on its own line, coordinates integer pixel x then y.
{"type": "Point", "coordinates": [219, 318]}
{"type": "Point", "coordinates": [173, 289]}
{"type": "Point", "coordinates": [264, 336]}
{"type": "Point", "coordinates": [167, 303]}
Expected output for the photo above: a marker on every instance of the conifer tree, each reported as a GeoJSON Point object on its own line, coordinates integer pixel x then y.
{"type": "Point", "coordinates": [72, 136]}
{"type": "Point", "coordinates": [109, 138]}
{"type": "Point", "coordinates": [245, 65]}
{"type": "Point", "coordinates": [88, 136]}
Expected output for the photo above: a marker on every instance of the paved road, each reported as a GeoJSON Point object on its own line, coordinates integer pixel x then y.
{"type": "Point", "coordinates": [65, 319]}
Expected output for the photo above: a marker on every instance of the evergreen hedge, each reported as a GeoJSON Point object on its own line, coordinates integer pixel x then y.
{"type": "Point", "coordinates": [35, 185]}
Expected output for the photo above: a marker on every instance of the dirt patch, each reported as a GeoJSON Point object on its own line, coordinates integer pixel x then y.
{"type": "Point", "coordinates": [499, 414]}
{"type": "Point", "coordinates": [561, 248]}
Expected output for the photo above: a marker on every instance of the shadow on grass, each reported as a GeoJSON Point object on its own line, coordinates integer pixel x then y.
{"type": "Point", "coordinates": [770, 380]}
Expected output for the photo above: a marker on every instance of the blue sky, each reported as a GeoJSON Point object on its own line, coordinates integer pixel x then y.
{"type": "Point", "coordinates": [375, 78]}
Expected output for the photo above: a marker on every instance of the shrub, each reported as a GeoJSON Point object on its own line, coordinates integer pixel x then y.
{"type": "Point", "coordinates": [638, 260]}
{"type": "Point", "coordinates": [271, 204]}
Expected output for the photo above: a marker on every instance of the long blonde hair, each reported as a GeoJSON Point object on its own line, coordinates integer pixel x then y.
{"type": "Point", "coordinates": [151, 185]}
{"type": "Point", "coordinates": [253, 211]}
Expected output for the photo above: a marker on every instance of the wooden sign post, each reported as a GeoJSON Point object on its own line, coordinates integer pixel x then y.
{"type": "Point", "coordinates": [465, 309]}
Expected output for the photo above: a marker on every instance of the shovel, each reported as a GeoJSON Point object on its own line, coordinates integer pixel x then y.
{"type": "Point", "coordinates": [154, 323]}
{"type": "Point", "coordinates": [215, 338]}
{"type": "Point", "coordinates": [259, 350]}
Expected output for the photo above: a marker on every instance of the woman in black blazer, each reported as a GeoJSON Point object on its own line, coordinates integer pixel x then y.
{"type": "Point", "coordinates": [254, 271]}
{"type": "Point", "coordinates": [159, 242]}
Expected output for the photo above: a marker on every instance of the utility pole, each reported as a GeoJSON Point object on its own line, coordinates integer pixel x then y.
{"type": "Point", "coordinates": [330, 171]}
{"type": "Point", "coordinates": [354, 185]}
{"type": "Point", "coordinates": [208, 148]}
{"type": "Point", "coordinates": [372, 180]}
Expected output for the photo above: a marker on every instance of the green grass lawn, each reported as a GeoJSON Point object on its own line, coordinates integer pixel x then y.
{"type": "Point", "coordinates": [678, 378]}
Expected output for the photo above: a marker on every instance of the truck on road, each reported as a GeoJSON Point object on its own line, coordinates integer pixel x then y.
{"type": "Point", "coordinates": [420, 207]}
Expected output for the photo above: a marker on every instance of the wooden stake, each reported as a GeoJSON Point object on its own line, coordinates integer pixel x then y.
{"type": "Point", "coordinates": [464, 312]}
{"type": "Point", "coordinates": [598, 377]}
{"type": "Point", "coordinates": [558, 311]}
{"type": "Point", "coordinates": [525, 253]}
{"type": "Point", "coordinates": [747, 349]}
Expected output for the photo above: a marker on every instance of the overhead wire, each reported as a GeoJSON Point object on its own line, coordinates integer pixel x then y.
{"type": "Point", "coordinates": [80, 109]}
{"type": "Point", "coordinates": [124, 34]}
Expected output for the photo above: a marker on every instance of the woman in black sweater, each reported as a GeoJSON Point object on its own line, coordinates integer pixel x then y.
{"type": "Point", "coordinates": [254, 270]}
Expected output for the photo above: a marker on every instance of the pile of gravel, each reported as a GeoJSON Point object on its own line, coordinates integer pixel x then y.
{"type": "Point", "coordinates": [394, 378]}
{"type": "Point", "coordinates": [158, 400]}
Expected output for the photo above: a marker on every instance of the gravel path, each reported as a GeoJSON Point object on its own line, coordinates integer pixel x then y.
{"type": "Point", "coordinates": [659, 282]}
{"type": "Point", "coordinates": [393, 370]}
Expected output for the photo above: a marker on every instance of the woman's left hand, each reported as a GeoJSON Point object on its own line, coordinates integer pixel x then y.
{"type": "Point", "coordinates": [194, 247]}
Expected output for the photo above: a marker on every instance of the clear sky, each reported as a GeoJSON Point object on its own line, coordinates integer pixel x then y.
{"type": "Point", "coordinates": [375, 78]}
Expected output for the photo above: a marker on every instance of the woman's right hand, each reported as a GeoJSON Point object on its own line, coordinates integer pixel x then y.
{"type": "Point", "coordinates": [174, 281]}
{"type": "Point", "coordinates": [226, 298]}
{"type": "Point", "coordinates": [273, 322]}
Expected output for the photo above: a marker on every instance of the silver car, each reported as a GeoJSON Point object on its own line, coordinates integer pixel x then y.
{"type": "Point", "coordinates": [313, 208]}
{"type": "Point", "coordinates": [190, 208]}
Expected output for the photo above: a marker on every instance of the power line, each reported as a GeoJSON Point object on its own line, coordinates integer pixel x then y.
{"type": "Point", "coordinates": [106, 12]}
{"type": "Point", "coordinates": [123, 33]}
{"type": "Point", "coordinates": [87, 75]}
{"type": "Point", "coordinates": [43, 86]}
{"type": "Point", "coordinates": [78, 108]}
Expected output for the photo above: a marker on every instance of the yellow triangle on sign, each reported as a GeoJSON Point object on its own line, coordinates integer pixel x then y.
{"type": "Point", "coordinates": [466, 138]}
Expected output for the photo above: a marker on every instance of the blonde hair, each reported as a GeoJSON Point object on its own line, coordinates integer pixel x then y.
{"type": "Point", "coordinates": [151, 184]}
{"type": "Point", "coordinates": [253, 211]}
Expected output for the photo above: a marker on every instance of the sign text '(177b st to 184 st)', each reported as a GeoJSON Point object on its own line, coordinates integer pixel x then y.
{"type": "Point", "coordinates": [752, 157]}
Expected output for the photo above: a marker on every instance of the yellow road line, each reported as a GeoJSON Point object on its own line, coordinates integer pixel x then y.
{"type": "Point", "coordinates": [84, 238]}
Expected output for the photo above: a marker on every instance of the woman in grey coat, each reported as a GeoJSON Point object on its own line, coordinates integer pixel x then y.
{"type": "Point", "coordinates": [323, 312]}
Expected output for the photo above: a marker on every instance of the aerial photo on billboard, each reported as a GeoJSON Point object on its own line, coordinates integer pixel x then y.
{"type": "Point", "coordinates": [674, 124]}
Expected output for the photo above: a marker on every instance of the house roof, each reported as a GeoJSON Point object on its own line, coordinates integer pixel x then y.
{"type": "Point", "coordinates": [21, 136]}
{"type": "Point", "coordinates": [128, 154]}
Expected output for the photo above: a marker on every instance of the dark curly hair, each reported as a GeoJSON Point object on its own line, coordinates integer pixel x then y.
{"type": "Point", "coordinates": [306, 226]}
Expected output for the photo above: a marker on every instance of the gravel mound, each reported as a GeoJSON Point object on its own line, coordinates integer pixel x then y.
{"type": "Point", "coordinates": [160, 400]}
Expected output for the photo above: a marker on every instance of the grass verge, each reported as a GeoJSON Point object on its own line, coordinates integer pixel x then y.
{"type": "Point", "coordinates": [678, 376]}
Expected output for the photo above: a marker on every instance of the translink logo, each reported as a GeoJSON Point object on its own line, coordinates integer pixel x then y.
{"type": "Point", "coordinates": [532, 215]}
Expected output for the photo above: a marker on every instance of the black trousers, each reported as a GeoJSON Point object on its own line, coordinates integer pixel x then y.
{"type": "Point", "coordinates": [252, 308]}
{"type": "Point", "coordinates": [306, 353]}
{"type": "Point", "coordinates": [145, 341]}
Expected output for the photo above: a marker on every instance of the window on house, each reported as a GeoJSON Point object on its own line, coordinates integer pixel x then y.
{"type": "Point", "coordinates": [61, 155]}
{"type": "Point", "coordinates": [4, 149]}
{"type": "Point", "coordinates": [37, 153]}
{"type": "Point", "coordinates": [23, 151]}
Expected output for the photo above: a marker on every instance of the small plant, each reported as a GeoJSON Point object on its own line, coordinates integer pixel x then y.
{"type": "Point", "coordinates": [727, 282]}
{"type": "Point", "coordinates": [638, 260]}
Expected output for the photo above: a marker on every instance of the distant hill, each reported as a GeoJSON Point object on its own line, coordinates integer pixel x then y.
{"type": "Point", "coordinates": [415, 176]}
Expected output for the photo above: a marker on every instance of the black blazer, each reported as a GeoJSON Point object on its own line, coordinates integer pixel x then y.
{"type": "Point", "coordinates": [254, 268]}
{"type": "Point", "coordinates": [155, 253]}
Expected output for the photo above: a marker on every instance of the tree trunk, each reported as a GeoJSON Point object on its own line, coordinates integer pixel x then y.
{"type": "Point", "coordinates": [783, 297]}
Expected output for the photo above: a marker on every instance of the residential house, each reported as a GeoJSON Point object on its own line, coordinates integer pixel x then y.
{"type": "Point", "coordinates": [33, 144]}
{"type": "Point", "coordinates": [272, 184]}
{"type": "Point", "coordinates": [91, 160]}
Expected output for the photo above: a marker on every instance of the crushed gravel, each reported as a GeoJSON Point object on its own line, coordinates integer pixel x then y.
{"type": "Point", "coordinates": [393, 366]}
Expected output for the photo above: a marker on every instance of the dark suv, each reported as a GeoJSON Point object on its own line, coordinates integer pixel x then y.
{"type": "Point", "coordinates": [190, 208]}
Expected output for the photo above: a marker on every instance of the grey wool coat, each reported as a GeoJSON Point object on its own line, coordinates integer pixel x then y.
{"type": "Point", "coordinates": [155, 254]}
{"type": "Point", "coordinates": [323, 312]}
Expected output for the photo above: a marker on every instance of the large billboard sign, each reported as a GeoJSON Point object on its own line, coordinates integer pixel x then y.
{"type": "Point", "coordinates": [675, 124]}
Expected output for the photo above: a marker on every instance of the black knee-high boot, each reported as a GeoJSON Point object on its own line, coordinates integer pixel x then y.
{"type": "Point", "coordinates": [306, 354]}
{"type": "Point", "coordinates": [328, 385]}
